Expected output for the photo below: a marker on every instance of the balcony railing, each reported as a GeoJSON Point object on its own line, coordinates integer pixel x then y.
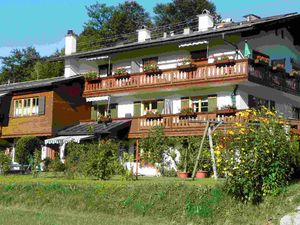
{"type": "Point", "coordinates": [168, 78]}
{"type": "Point", "coordinates": [279, 80]}
{"type": "Point", "coordinates": [179, 125]}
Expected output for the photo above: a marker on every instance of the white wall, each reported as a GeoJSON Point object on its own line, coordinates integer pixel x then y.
{"type": "Point", "coordinates": [176, 105]}
{"type": "Point", "coordinates": [224, 99]}
{"type": "Point", "coordinates": [125, 108]}
{"type": "Point", "coordinates": [242, 100]}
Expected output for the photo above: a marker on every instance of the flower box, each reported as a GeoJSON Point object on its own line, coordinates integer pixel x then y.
{"type": "Point", "coordinates": [187, 67]}
{"type": "Point", "coordinates": [225, 62]}
{"type": "Point", "coordinates": [152, 72]}
{"type": "Point", "coordinates": [294, 73]}
{"type": "Point", "coordinates": [279, 67]}
{"type": "Point", "coordinates": [122, 75]}
{"type": "Point", "coordinates": [187, 115]}
{"type": "Point", "coordinates": [226, 111]}
{"type": "Point", "coordinates": [153, 116]}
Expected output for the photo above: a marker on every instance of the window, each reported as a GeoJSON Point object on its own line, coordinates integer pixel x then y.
{"type": "Point", "coordinates": [256, 102]}
{"type": "Point", "coordinates": [200, 104]}
{"type": "Point", "coordinates": [199, 55]}
{"type": "Point", "coordinates": [149, 106]}
{"type": "Point", "coordinates": [26, 107]}
{"type": "Point", "coordinates": [104, 70]}
{"type": "Point", "coordinates": [296, 113]}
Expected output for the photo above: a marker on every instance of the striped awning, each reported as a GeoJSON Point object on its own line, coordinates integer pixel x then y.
{"type": "Point", "coordinates": [66, 139]}
{"type": "Point", "coordinates": [97, 99]}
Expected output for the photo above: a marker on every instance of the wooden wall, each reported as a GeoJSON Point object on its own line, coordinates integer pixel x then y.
{"type": "Point", "coordinates": [38, 125]}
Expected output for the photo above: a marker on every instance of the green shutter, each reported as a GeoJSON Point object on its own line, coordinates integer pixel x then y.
{"type": "Point", "coordinates": [114, 111]}
{"type": "Point", "coordinates": [212, 103]}
{"type": "Point", "coordinates": [185, 103]}
{"type": "Point", "coordinates": [137, 109]}
{"type": "Point", "coordinates": [93, 112]}
{"type": "Point", "coordinates": [160, 106]}
{"type": "Point", "coordinates": [11, 109]}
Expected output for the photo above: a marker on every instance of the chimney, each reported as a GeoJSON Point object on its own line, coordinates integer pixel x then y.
{"type": "Point", "coordinates": [251, 17]}
{"type": "Point", "coordinates": [186, 31]}
{"type": "Point", "coordinates": [205, 21]}
{"type": "Point", "coordinates": [143, 34]}
{"type": "Point", "coordinates": [70, 42]}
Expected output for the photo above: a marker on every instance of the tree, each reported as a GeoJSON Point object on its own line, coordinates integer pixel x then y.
{"type": "Point", "coordinates": [18, 66]}
{"type": "Point", "coordinates": [107, 23]}
{"type": "Point", "coordinates": [25, 148]}
{"type": "Point", "coordinates": [177, 11]}
{"type": "Point", "coordinates": [5, 162]}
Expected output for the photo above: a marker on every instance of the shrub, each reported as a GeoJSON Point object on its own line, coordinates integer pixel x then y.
{"type": "Point", "coordinates": [5, 162]}
{"type": "Point", "coordinates": [56, 165]}
{"type": "Point", "coordinates": [25, 148]}
{"type": "Point", "coordinates": [257, 156]}
{"type": "Point", "coordinates": [97, 160]}
{"type": "Point", "coordinates": [36, 163]}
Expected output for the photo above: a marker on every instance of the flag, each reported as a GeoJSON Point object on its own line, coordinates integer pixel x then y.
{"type": "Point", "coordinates": [247, 51]}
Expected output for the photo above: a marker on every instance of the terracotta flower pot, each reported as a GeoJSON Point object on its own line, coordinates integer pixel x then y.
{"type": "Point", "coordinates": [201, 174]}
{"type": "Point", "coordinates": [182, 175]}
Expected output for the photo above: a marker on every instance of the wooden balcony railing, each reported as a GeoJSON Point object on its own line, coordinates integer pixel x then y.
{"type": "Point", "coordinates": [178, 125]}
{"type": "Point", "coordinates": [204, 73]}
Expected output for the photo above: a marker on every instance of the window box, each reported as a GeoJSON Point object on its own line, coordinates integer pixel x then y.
{"type": "Point", "coordinates": [226, 111]}
{"type": "Point", "coordinates": [187, 115]}
{"type": "Point", "coordinates": [223, 62]}
{"type": "Point", "coordinates": [279, 67]}
{"type": "Point", "coordinates": [261, 61]}
{"type": "Point", "coordinates": [121, 72]}
{"type": "Point", "coordinates": [294, 73]}
{"type": "Point", "coordinates": [153, 116]}
{"type": "Point", "coordinates": [91, 76]}
{"type": "Point", "coordinates": [122, 75]}
{"type": "Point", "coordinates": [187, 67]}
{"type": "Point", "coordinates": [153, 72]}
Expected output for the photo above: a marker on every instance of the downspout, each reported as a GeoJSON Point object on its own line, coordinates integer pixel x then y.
{"type": "Point", "coordinates": [233, 95]}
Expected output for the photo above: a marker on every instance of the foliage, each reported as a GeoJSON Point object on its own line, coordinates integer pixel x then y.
{"type": "Point", "coordinates": [107, 23]}
{"type": "Point", "coordinates": [187, 109]}
{"type": "Point", "coordinates": [120, 71]}
{"type": "Point", "coordinates": [96, 160]}
{"type": "Point", "coordinates": [44, 69]}
{"type": "Point", "coordinates": [170, 173]}
{"type": "Point", "coordinates": [36, 163]}
{"type": "Point", "coordinates": [25, 148]}
{"type": "Point", "coordinates": [91, 75]}
{"type": "Point", "coordinates": [46, 163]}
{"type": "Point", "coordinates": [5, 162]}
{"type": "Point", "coordinates": [4, 144]}
{"type": "Point", "coordinates": [256, 156]}
{"type": "Point", "coordinates": [155, 146]}
{"type": "Point", "coordinates": [150, 67]}
{"type": "Point", "coordinates": [175, 12]}
{"type": "Point", "coordinates": [56, 165]}
{"type": "Point", "coordinates": [228, 107]}
{"type": "Point", "coordinates": [18, 66]}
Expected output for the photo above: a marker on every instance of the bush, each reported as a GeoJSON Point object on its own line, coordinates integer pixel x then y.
{"type": "Point", "coordinates": [56, 165]}
{"type": "Point", "coordinates": [5, 162]}
{"type": "Point", "coordinates": [97, 160]}
{"type": "Point", "coordinates": [257, 156]}
{"type": "Point", "coordinates": [25, 148]}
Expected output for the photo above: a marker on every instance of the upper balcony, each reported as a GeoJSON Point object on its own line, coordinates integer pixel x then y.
{"type": "Point", "coordinates": [200, 73]}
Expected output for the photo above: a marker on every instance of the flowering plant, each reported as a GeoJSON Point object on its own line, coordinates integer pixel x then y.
{"type": "Point", "coordinates": [104, 118]}
{"type": "Point", "coordinates": [120, 71]}
{"type": "Point", "coordinates": [91, 75]}
{"type": "Point", "coordinates": [255, 154]}
{"type": "Point", "coordinates": [186, 60]}
{"type": "Point", "coordinates": [186, 109]}
{"type": "Point", "coordinates": [150, 67]}
{"type": "Point", "coordinates": [262, 59]}
{"type": "Point", "coordinates": [294, 73]}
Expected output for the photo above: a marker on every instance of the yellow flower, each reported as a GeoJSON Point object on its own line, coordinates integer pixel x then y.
{"type": "Point", "coordinates": [230, 174]}
{"type": "Point", "coordinates": [238, 124]}
{"type": "Point", "coordinates": [230, 132]}
{"type": "Point", "coordinates": [246, 171]}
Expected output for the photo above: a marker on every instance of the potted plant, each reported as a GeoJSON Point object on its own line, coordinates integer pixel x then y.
{"type": "Point", "coordinates": [152, 114]}
{"type": "Point", "coordinates": [151, 68]}
{"type": "Point", "coordinates": [186, 64]}
{"type": "Point", "coordinates": [92, 75]}
{"type": "Point", "coordinates": [187, 112]}
{"type": "Point", "coordinates": [227, 109]}
{"type": "Point", "coordinates": [294, 73]}
{"type": "Point", "coordinates": [184, 148]}
{"type": "Point", "coordinates": [204, 165]}
{"type": "Point", "coordinates": [262, 60]}
{"type": "Point", "coordinates": [104, 118]}
{"type": "Point", "coordinates": [121, 72]}
{"type": "Point", "coordinates": [224, 60]}
{"type": "Point", "coordinates": [279, 67]}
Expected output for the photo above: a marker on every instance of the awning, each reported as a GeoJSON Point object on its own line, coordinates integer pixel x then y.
{"type": "Point", "coordinates": [66, 139]}
{"type": "Point", "coordinates": [97, 99]}
{"type": "Point", "coordinates": [192, 44]}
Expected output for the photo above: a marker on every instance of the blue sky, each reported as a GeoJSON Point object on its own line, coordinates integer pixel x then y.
{"type": "Point", "coordinates": [43, 23]}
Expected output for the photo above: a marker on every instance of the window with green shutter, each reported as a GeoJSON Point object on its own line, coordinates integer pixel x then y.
{"type": "Point", "coordinates": [185, 103]}
{"type": "Point", "coordinates": [94, 112]}
{"type": "Point", "coordinates": [160, 106]}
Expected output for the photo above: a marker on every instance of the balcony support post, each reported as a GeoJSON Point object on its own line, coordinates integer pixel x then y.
{"type": "Point", "coordinates": [137, 159]}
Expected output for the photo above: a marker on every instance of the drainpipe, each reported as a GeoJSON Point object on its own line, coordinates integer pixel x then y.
{"type": "Point", "coordinates": [233, 95]}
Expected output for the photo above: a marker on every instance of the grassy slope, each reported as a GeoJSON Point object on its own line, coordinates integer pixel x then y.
{"type": "Point", "coordinates": [147, 201]}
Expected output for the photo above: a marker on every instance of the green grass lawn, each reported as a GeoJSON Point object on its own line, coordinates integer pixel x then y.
{"type": "Point", "coordinates": [48, 200]}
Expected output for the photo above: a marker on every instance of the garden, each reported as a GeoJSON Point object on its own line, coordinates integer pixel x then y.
{"type": "Point", "coordinates": [256, 161]}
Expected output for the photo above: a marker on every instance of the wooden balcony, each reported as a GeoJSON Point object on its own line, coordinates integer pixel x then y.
{"type": "Point", "coordinates": [203, 74]}
{"type": "Point", "coordinates": [178, 125]}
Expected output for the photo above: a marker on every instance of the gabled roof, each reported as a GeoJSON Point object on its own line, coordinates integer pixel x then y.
{"type": "Point", "coordinates": [36, 83]}
{"type": "Point", "coordinates": [213, 32]}
{"type": "Point", "coordinates": [95, 128]}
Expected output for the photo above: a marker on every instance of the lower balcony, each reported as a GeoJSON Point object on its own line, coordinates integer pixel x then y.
{"type": "Point", "coordinates": [180, 125]}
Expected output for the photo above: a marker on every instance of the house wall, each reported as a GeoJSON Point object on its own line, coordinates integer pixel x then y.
{"type": "Point", "coordinates": [68, 106]}
{"type": "Point", "coordinates": [37, 125]}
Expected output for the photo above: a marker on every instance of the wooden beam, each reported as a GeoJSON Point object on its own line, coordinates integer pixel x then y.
{"type": "Point", "coordinates": [137, 159]}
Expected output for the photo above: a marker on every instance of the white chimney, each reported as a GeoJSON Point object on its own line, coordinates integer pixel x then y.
{"type": "Point", "coordinates": [70, 42]}
{"type": "Point", "coordinates": [143, 34]}
{"type": "Point", "coordinates": [205, 21]}
{"type": "Point", "coordinates": [186, 31]}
